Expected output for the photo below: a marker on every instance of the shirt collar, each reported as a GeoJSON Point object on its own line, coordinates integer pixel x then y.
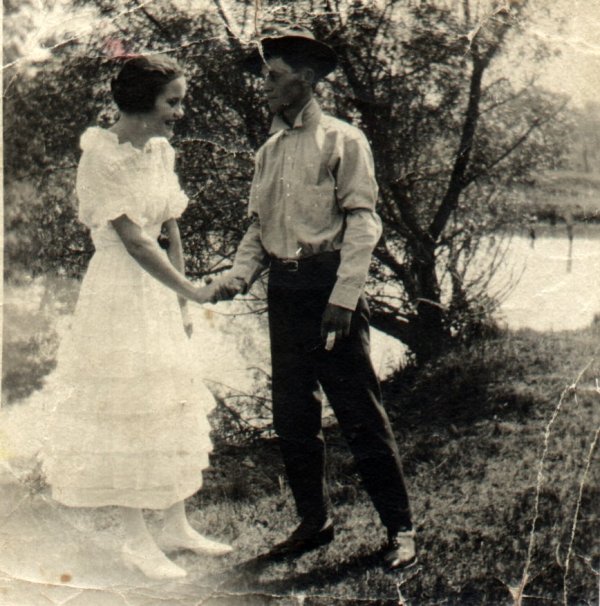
{"type": "Point", "coordinates": [309, 115]}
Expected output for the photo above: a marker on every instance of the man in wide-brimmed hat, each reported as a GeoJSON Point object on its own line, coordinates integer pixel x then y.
{"type": "Point", "coordinates": [314, 225]}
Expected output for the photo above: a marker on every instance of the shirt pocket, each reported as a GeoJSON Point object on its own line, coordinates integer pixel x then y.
{"type": "Point", "coordinates": [317, 207]}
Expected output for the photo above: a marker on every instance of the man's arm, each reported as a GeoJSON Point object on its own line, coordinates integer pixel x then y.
{"type": "Point", "coordinates": [250, 260]}
{"type": "Point", "coordinates": [356, 190]}
{"type": "Point", "coordinates": [357, 196]}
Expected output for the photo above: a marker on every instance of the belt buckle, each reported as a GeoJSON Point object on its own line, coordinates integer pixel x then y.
{"type": "Point", "coordinates": [289, 264]}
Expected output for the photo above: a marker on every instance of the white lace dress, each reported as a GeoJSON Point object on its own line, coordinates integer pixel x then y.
{"type": "Point", "coordinates": [130, 427]}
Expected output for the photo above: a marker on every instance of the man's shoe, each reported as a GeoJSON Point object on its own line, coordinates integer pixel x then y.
{"type": "Point", "coordinates": [400, 549]}
{"type": "Point", "coordinates": [309, 535]}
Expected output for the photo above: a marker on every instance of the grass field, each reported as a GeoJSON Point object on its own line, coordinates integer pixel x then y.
{"type": "Point", "coordinates": [471, 432]}
{"type": "Point", "coordinates": [493, 438]}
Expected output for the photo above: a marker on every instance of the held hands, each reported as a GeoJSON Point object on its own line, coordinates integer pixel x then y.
{"type": "Point", "coordinates": [204, 294]}
{"type": "Point", "coordinates": [226, 287]}
{"type": "Point", "coordinates": [223, 288]}
{"type": "Point", "coordinates": [200, 294]}
{"type": "Point", "coordinates": [336, 321]}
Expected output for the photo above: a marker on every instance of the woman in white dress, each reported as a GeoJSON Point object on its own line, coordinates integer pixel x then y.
{"type": "Point", "coordinates": [131, 429]}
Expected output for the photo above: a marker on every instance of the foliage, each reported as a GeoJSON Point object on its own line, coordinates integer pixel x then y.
{"type": "Point", "coordinates": [33, 312]}
{"type": "Point", "coordinates": [26, 363]}
{"type": "Point", "coordinates": [462, 137]}
{"type": "Point", "coordinates": [459, 145]}
{"type": "Point", "coordinates": [585, 151]}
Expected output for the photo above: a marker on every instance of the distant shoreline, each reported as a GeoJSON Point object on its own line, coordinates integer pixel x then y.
{"type": "Point", "coordinates": [561, 197]}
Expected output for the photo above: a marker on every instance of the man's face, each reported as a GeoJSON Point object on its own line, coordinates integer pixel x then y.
{"type": "Point", "coordinates": [283, 86]}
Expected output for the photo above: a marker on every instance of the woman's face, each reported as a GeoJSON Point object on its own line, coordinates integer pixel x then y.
{"type": "Point", "coordinates": [168, 108]}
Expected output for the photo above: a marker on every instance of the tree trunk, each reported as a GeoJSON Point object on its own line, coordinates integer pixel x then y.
{"type": "Point", "coordinates": [424, 331]}
{"type": "Point", "coordinates": [428, 320]}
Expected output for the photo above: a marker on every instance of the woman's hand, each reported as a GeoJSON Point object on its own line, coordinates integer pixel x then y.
{"type": "Point", "coordinates": [226, 287]}
{"type": "Point", "coordinates": [204, 294]}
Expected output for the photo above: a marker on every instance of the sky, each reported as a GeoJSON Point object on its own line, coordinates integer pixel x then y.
{"type": "Point", "coordinates": [576, 71]}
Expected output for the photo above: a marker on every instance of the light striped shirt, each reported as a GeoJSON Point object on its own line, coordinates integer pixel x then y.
{"type": "Point", "coordinates": [314, 190]}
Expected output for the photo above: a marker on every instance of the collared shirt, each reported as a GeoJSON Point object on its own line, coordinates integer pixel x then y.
{"type": "Point", "coordinates": [314, 190]}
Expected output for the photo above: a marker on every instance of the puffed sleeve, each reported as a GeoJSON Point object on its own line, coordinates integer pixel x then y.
{"type": "Point", "coordinates": [176, 198]}
{"type": "Point", "coordinates": [103, 185]}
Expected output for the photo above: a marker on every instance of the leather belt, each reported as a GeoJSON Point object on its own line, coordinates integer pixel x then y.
{"type": "Point", "coordinates": [295, 265]}
{"type": "Point", "coordinates": [285, 264]}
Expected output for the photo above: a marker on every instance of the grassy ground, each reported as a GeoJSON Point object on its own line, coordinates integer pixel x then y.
{"type": "Point", "coordinates": [471, 430]}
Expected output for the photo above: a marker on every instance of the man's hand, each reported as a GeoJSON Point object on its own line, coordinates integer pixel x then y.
{"type": "Point", "coordinates": [336, 320]}
{"type": "Point", "coordinates": [226, 287]}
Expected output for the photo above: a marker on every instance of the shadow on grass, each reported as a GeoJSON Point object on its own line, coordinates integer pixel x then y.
{"type": "Point", "coordinates": [245, 577]}
{"type": "Point", "coordinates": [466, 385]}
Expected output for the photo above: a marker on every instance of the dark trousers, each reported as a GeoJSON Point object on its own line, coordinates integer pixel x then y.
{"type": "Point", "coordinates": [297, 300]}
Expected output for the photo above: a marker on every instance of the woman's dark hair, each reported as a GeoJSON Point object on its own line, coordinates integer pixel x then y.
{"type": "Point", "coordinates": [141, 80]}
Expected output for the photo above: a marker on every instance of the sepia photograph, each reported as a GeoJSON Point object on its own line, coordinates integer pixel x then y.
{"type": "Point", "coordinates": [300, 303]}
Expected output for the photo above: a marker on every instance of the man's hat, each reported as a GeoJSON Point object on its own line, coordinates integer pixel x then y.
{"type": "Point", "coordinates": [288, 40]}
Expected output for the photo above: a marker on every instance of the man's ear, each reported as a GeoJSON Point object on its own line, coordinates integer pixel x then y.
{"type": "Point", "coordinates": [308, 75]}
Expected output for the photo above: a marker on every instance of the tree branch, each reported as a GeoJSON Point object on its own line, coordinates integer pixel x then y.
{"type": "Point", "coordinates": [517, 143]}
{"type": "Point", "coordinates": [455, 186]}
{"type": "Point", "coordinates": [506, 100]}
{"type": "Point", "coordinates": [233, 39]}
{"type": "Point", "coordinates": [384, 256]}
{"type": "Point", "coordinates": [405, 210]}
{"type": "Point", "coordinates": [155, 22]}
{"type": "Point", "coordinates": [385, 318]}
{"type": "Point", "coordinates": [457, 180]}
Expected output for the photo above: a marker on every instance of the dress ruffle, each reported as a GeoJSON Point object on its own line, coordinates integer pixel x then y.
{"type": "Point", "coordinates": [115, 179]}
{"type": "Point", "coordinates": [128, 404]}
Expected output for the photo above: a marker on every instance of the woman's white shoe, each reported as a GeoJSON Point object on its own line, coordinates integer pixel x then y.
{"type": "Point", "coordinates": [193, 541]}
{"type": "Point", "coordinates": [152, 562]}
